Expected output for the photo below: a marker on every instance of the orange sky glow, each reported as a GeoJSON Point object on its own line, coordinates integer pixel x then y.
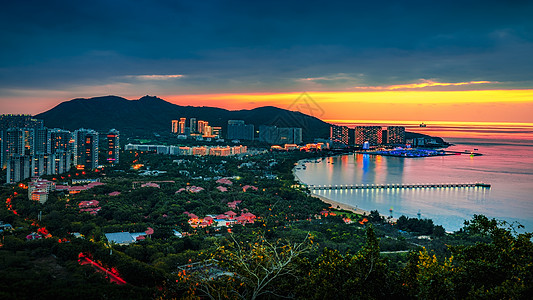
{"type": "Point", "coordinates": [464, 106]}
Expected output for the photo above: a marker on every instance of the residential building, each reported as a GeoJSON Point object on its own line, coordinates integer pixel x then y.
{"type": "Point", "coordinates": [275, 135]}
{"type": "Point", "coordinates": [181, 125]}
{"type": "Point", "coordinates": [371, 134]}
{"type": "Point", "coordinates": [338, 135]}
{"type": "Point", "coordinates": [395, 135]}
{"type": "Point", "coordinates": [113, 147]}
{"type": "Point", "coordinates": [18, 168]}
{"type": "Point", "coordinates": [201, 126]}
{"type": "Point", "coordinates": [85, 148]}
{"type": "Point", "coordinates": [237, 130]}
{"type": "Point", "coordinates": [60, 141]}
{"type": "Point", "coordinates": [41, 141]}
{"type": "Point", "coordinates": [193, 125]}
{"type": "Point", "coordinates": [175, 127]}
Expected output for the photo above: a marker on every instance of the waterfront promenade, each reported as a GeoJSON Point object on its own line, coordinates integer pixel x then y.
{"type": "Point", "coordinates": [398, 186]}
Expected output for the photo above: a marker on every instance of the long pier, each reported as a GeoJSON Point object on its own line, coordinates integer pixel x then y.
{"type": "Point", "coordinates": [396, 186]}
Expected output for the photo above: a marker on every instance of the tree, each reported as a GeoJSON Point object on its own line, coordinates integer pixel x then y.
{"type": "Point", "coordinates": [363, 275]}
{"type": "Point", "coordinates": [252, 269]}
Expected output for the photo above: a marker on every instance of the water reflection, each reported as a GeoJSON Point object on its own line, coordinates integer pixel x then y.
{"type": "Point", "coordinates": [508, 168]}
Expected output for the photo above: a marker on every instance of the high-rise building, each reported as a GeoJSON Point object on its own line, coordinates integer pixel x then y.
{"type": "Point", "coordinates": [371, 134]}
{"type": "Point", "coordinates": [60, 140]}
{"type": "Point", "coordinates": [237, 130]}
{"type": "Point", "coordinates": [339, 135]}
{"type": "Point", "coordinates": [62, 162]}
{"type": "Point", "coordinates": [193, 125]}
{"type": "Point", "coordinates": [175, 126]}
{"type": "Point", "coordinates": [395, 135]}
{"type": "Point", "coordinates": [24, 122]}
{"type": "Point", "coordinates": [208, 131]}
{"type": "Point", "coordinates": [15, 142]}
{"type": "Point", "coordinates": [86, 148]}
{"type": "Point", "coordinates": [42, 164]}
{"type": "Point", "coordinates": [275, 135]}
{"type": "Point", "coordinates": [181, 129]}
{"type": "Point", "coordinates": [113, 147]}
{"type": "Point", "coordinates": [42, 140]}
{"type": "Point", "coordinates": [18, 168]}
{"type": "Point", "coordinates": [201, 126]}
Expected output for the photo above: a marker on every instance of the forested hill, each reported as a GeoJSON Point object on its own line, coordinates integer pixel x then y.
{"type": "Point", "coordinates": [151, 114]}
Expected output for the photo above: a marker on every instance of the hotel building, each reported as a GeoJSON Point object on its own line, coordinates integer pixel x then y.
{"type": "Point", "coordinates": [371, 134]}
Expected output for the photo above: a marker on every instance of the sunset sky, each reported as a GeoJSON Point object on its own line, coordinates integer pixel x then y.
{"type": "Point", "coordinates": [468, 61]}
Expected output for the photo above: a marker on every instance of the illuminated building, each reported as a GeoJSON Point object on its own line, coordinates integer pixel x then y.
{"type": "Point", "coordinates": [42, 141]}
{"type": "Point", "coordinates": [181, 124]}
{"type": "Point", "coordinates": [371, 134]}
{"type": "Point", "coordinates": [113, 147]}
{"type": "Point", "coordinates": [201, 126]}
{"type": "Point", "coordinates": [216, 131]}
{"type": "Point", "coordinates": [24, 122]}
{"type": "Point", "coordinates": [193, 125]}
{"type": "Point", "coordinates": [200, 150]}
{"type": "Point", "coordinates": [15, 142]}
{"type": "Point", "coordinates": [62, 162]}
{"type": "Point", "coordinates": [208, 131]}
{"type": "Point", "coordinates": [42, 164]}
{"type": "Point", "coordinates": [395, 135]}
{"type": "Point", "coordinates": [18, 168]}
{"type": "Point", "coordinates": [338, 135]}
{"type": "Point", "coordinates": [175, 126]}
{"type": "Point", "coordinates": [60, 140]}
{"type": "Point", "coordinates": [237, 130]}
{"type": "Point", "coordinates": [85, 148]}
{"type": "Point", "coordinates": [220, 151]}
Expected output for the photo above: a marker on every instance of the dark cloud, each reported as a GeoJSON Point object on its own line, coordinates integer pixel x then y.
{"type": "Point", "coordinates": [264, 45]}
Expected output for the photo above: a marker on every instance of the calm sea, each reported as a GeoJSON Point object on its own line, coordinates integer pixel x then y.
{"type": "Point", "coordinates": [506, 163]}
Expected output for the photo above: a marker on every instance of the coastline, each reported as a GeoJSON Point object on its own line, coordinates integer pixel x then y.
{"type": "Point", "coordinates": [341, 206]}
{"type": "Point", "coordinates": [338, 205]}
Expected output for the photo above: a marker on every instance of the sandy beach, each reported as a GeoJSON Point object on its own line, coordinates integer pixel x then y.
{"type": "Point", "coordinates": [340, 206]}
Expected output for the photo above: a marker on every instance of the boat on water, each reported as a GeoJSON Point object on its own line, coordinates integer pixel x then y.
{"type": "Point", "coordinates": [422, 124]}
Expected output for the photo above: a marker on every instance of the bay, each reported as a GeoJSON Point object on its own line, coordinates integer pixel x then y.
{"type": "Point", "coordinates": [506, 163]}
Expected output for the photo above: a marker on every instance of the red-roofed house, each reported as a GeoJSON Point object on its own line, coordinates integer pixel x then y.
{"type": "Point", "coordinates": [241, 220]}
{"type": "Point", "coordinates": [92, 203]}
{"type": "Point", "coordinates": [249, 216]}
{"type": "Point", "coordinates": [209, 220]}
{"type": "Point", "coordinates": [115, 193]}
{"type": "Point", "coordinates": [230, 214]}
{"type": "Point", "coordinates": [151, 184]}
{"type": "Point", "coordinates": [246, 187]}
{"type": "Point", "coordinates": [149, 231]}
{"type": "Point", "coordinates": [224, 181]}
{"type": "Point", "coordinates": [222, 188]}
{"type": "Point", "coordinates": [233, 204]}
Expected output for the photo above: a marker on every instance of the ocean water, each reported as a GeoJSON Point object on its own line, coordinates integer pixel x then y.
{"type": "Point", "coordinates": [506, 163]}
